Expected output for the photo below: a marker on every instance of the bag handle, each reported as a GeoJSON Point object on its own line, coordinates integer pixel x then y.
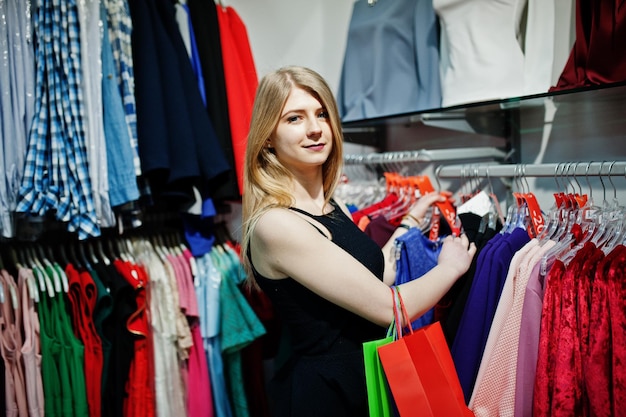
{"type": "Point", "coordinates": [405, 314]}
{"type": "Point", "coordinates": [395, 328]}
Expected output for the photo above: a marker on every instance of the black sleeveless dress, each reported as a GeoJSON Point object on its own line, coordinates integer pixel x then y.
{"type": "Point", "coordinates": [324, 374]}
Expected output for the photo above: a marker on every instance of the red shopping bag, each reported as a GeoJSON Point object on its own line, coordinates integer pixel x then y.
{"type": "Point", "coordinates": [421, 374]}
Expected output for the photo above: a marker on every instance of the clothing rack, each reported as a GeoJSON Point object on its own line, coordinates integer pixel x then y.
{"type": "Point", "coordinates": [576, 168]}
{"type": "Point", "coordinates": [425, 155]}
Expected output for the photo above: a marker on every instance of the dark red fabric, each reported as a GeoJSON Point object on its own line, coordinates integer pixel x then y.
{"type": "Point", "coordinates": [584, 285]}
{"type": "Point", "coordinates": [140, 400]}
{"type": "Point", "coordinates": [389, 199]}
{"type": "Point", "coordinates": [599, 53]}
{"type": "Point", "coordinates": [617, 312]}
{"type": "Point", "coordinates": [82, 296]}
{"type": "Point", "coordinates": [548, 332]}
{"type": "Point", "coordinates": [380, 230]}
{"type": "Point", "coordinates": [597, 363]}
{"type": "Point", "coordinates": [581, 366]}
{"type": "Point", "coordinates": [566, 393]}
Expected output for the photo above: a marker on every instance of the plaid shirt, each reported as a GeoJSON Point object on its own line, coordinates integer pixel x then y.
{"type": "Point", "coordinates": [56, 173]}
{"type": "Point", "coordinates": [120, 29]}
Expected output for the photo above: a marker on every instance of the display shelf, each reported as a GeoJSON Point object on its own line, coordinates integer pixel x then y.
{"type": "Point", "coordinates": [586, 123]}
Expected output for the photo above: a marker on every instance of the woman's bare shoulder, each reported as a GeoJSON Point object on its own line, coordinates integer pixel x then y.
{"type": "Point", "coordinates": [279, 236]}
{"type": "Point", "coordinates": [280, 224]}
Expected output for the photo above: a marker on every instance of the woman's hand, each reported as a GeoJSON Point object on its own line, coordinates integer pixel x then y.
{"type": "Point", "coordinates": [457, 253]}
{"type": "Point", "coordinates": [417, 212]}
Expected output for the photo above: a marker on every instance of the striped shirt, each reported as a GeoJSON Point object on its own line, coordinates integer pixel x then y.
{"type": "Point", "coordinates": [120, 29]}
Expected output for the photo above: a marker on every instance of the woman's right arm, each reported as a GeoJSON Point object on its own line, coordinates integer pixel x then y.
{"type": "Point", "coordinates": [285, 245]}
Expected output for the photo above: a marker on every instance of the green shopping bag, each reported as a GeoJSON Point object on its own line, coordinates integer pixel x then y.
{"type": "Point", "coordinates": [379, 401]}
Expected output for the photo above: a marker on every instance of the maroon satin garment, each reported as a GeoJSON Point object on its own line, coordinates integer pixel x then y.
{"type": "Point", "coordinates": [597, 363]}
{"type": "Point", "coordinates": [598, 55]}
{"type": "Point", "coordinates": [617, 312]}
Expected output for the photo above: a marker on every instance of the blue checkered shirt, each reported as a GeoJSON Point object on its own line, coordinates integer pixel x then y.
{"type": "Point", "coordinates": [56, 173]}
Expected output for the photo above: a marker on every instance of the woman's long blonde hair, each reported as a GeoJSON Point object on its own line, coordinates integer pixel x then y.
{"type": "Point", "coordinates": [264, 177]}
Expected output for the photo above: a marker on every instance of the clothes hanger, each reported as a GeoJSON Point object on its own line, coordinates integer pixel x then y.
{"type": "Point", "coordinates": [610, 217]}
{"type": "Point", "coordinates": [130, 252]}
{"type": "Point", "coordinates": [496, 214]}
{"type": "Point", "coordinates": [31, 283]}
{"type": "Point", "coordinates": [91, 253]}
{"type": "Point", "coordinates": [554, 214]}
{"type": "Point", "coordinates": [58, 275]}
{"type": "Point", "coordinates": [586, 218]}
{"type": "Point", "coordinates": [573, 203]}
{"type": "Point", "coordinates": [112, 247]}
{"type": "Point", "coordinates": [121, 250]}
{"type": "Point", "coordinates": [45, 282]}
{"type": "Point", "coordinates": [12, 293]}
{"type": "Point", "coordinates": [619, 232]}
{"type": "Point", "coordinates": [102, 255]}
{"type": "Point", "coordinates": [74, 258]}
{"type": "Point", "coordinates": [83, 256]}
{"type": "Point", "coordinates": [2, 293]}
{"type": "Point", "coordinates": [158, 247]}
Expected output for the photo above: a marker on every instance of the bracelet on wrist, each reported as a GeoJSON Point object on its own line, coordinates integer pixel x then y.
{"type": "Point", "coordinates": [405, 226]}
{"type": "Point", "coordinates": [412, 217]}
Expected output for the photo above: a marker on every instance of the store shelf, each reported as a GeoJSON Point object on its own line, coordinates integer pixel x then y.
{"type": "Point", "coordinates": [587, 123]}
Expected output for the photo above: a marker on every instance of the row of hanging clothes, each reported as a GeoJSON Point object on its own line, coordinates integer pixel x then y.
{"type": "Point", "coordinates": [109, 138]}
{"type": "Point", "coordinates": [535, 326]}
{"type": "Point", "coordinates": [541, 332]}
{"type": "Point", "coordinates": [131, 325]}
{"type": "Point", "coordinates": [380, 188]}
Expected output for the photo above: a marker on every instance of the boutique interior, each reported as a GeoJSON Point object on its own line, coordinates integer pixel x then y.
{"type": "Point", "coordinates": [123, 129]}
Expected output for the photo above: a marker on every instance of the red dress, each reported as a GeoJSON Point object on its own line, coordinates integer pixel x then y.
{"type": "Point", "coordinates": [597, 363]}
{"type": "Point", "coordinates": [549, 330]}
{"type": "Point", "coordinates": [140, 400]}
{"type": "Point", "coordinates": [82, 296]}
{"type": "Point", "coordinates": [241, 81]}
{"type": "Point", "coordinates": [617, 313]}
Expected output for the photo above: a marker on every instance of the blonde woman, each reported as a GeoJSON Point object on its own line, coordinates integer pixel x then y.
{"type": "Point", "coordinates": [326, 278]}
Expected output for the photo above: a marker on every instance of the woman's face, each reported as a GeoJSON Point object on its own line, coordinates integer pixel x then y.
{"type": "Point", "coordinates": [303, 138]}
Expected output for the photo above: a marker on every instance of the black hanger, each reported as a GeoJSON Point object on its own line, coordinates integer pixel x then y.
{"type": "Point", "coordinates": [83, 256]}
{"type": "Point", "coordinates": [62, 256]}
{"type": "Point", "coordinates": [74, 258]}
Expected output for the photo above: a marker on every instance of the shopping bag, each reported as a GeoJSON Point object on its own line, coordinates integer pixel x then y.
{"type": "Point", "coordinates": [378, 398]}
{"type": "Point", "coordinates": [421, 374]}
